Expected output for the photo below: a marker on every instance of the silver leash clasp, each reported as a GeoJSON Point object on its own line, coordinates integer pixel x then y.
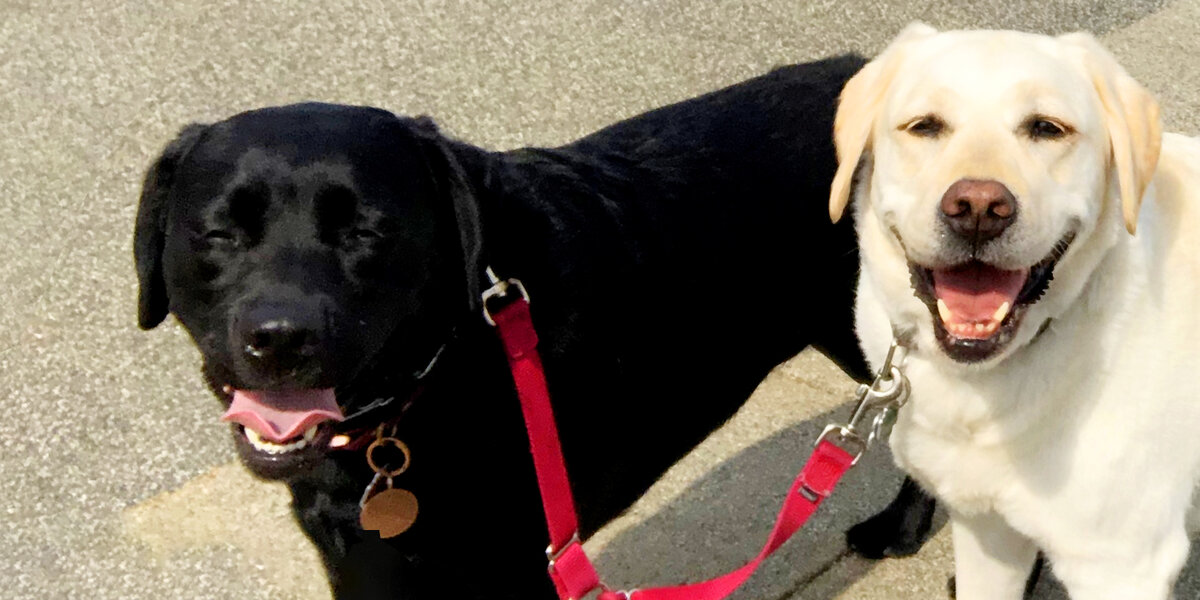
{"type": "Point", "coordinates": [885, 394]}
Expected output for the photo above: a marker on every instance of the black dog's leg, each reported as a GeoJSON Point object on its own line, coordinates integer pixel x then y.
{"type": "Point", "coordinates": [360, 566]}
{"type": "Point", "coordinates": [314, 510]}
{"type": "Point", "coordinates": [373, 570]}
{"type": "Point", "coordinates": [898, 530]}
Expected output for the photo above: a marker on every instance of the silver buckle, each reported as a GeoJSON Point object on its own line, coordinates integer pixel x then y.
{"type": "Point", "coordinates": [847, 439]}
{"type": "Point", "coordinates": [499, 289]}
{"type": "Point", "coordinates": [553, 555]}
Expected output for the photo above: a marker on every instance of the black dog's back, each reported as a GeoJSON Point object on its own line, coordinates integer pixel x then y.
{"type": "Point", "coordinates": [673, 259]}
{"type": "Point", "coordinates": [755, 159]}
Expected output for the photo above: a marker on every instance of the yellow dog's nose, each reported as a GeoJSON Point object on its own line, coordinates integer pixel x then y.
{"type": "Point", "coordinates": [978, 210]}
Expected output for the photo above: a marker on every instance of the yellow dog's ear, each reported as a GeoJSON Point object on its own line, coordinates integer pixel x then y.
{"type": "Point", "coordinates": [1131, 117]}
{"type": "Point", "coordinates": [857, 111]}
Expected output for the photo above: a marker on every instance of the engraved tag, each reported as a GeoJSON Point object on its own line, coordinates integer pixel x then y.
{"type": "Point", "coordinates": [390, 512]}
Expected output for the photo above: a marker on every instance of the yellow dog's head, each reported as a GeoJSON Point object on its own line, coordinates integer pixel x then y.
{"type": "Point", "coordinates": [984, 164]}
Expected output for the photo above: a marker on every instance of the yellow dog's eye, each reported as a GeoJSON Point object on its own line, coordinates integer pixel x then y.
{"type": "Point", "coordinates": [1045, 128]}
{"type": "Point", "coordinates": [929, 126]}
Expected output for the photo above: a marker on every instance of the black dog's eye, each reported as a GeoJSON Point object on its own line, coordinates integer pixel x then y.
{"type": "Point", "coordinates": [1043, 128]}
{"type": "Point", "coordinates": [928, 126]}
{"type": "Point", "coordinates": [359, 234]}
{"type": "Point", "coordinates": [219, 238]}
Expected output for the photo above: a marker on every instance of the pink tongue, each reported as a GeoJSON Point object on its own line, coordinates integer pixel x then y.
{"type": "Point", "coordinates": [975, 292]}
{"type": "Point", "coordinates": [280, 416]}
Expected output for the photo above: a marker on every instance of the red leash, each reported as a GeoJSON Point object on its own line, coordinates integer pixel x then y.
{"type": "Point", "coordinates": [569, 567]}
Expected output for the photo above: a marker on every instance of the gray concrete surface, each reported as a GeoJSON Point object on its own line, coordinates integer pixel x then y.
{"type": "Point", "coordinates": [116, 481]}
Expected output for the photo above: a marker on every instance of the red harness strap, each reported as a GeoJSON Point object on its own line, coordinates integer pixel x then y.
{"type": "Point", "coordinates": [572, 572]}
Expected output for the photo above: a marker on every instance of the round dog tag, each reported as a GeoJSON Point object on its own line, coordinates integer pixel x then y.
{"type": "Point", "coordinates": [390, 512]}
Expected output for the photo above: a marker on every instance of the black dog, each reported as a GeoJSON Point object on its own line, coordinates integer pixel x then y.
{"type": "Point", "coordinates": [327, 262]}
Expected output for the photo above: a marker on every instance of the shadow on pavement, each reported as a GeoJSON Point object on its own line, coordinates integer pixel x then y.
{"type": "Point", "coordinates": [723, 518]}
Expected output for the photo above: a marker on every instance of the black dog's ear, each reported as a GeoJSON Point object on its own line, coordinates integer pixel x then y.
{"type": "Point", "coordinates": [451, 180]}
{"type": "Point", "coordinates": [150, 231]}
{"type": "Point", "coordinates": [426, 124]}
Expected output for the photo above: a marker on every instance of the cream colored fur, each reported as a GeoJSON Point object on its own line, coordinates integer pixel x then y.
{"type": "Point", "coordinates": [1083, 441]}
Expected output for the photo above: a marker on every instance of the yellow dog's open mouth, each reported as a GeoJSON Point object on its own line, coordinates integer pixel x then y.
{"type": "Point", "coordinates": [974, 299]}
{"type": "Point", "coordinates": [977, 307]}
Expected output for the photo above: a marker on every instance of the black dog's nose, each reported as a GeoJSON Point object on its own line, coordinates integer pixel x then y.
{"type": "Point", "coordinates": [978, 210]}
{"type": "Point", "coordinates": [274, 335]}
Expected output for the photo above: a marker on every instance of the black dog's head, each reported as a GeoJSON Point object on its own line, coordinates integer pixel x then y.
{"type": "Point", "coordinates": [308, 250]}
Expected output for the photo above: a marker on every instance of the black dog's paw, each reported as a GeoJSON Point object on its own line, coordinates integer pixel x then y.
{"type": "Point", "coordinates": [898, 530]}
{"type": "Point", "coordinates": [884, 536]}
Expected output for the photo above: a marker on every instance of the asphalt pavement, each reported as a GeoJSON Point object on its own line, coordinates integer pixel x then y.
{"type": "Point", "coordinates": [116, 479]}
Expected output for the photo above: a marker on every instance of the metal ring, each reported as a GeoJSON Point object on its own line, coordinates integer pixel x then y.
{"type": "Point", "coordinates": [370, 488]}
{"type": "Point", "coordinates": [895, 386]}
{"type": "Point", "coordinates": [399, 444]}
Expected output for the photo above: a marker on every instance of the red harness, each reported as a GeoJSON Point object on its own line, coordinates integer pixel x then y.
{"type": "Point", "coordinates": [569, 567]}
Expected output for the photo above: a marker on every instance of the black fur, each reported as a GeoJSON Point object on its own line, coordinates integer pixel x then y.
{"type": "Point", "coordinates": [672, 260]}
{"type": "Point", "coordinates": [150, 228]}
{"type": "Point", "coordinates": [900, 529]}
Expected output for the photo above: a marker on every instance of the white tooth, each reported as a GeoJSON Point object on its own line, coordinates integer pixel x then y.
{"type": "Point", "coordinates": [979, 327]}
{"type": "Point", "coordinates": [943, 311]}
{"type": "Point", "coordinates": [310, 433]}
{"type": "Point", "coordinates": [258, 442]}
{"type": "Point", "coordinates": [1001, 312]}
{"type": "Point", "coordinates": [339, 440]}
{"type": "Point", "coordinates": [992, 327]}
